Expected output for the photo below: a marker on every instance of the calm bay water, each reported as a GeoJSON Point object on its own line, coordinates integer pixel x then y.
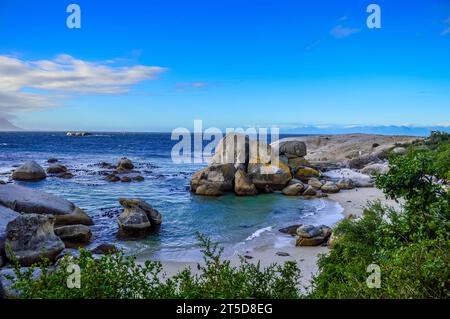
{"type": "Point", "coordinates": [238, 223]}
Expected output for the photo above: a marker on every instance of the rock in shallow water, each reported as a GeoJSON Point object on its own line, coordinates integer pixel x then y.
{"type": "Point", "coordinates": [310, 235]}
{"type": "Point", "coordinates": [32, 238]}
{"type": "Point", "coordinates": [104, 249]}
{"type": "Point", "coordinates": [30, 171]}
{"type": "Point", "coordinates": [74, 235]}
{"type": "Point", "coordinates": [216, 179]}
{"type": "Point", "coordinates": [26, 200]}
{"type": "Point", "coordinates": [56, 169]}
{"type": "Point", "coordinates": [137, 218]}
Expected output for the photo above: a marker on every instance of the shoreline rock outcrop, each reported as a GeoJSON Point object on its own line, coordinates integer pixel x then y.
{"type": "Point", "coordinates": [30, 201]}
{"type": "Point", "coordinates": [31, 238]}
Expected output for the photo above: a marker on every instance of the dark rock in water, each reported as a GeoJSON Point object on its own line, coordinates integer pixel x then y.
{"type": "Point", "coordinates": [30, 171]}
{"type": "Point", "coordinates": [282, 254]}
{"type": "Point", "coordinates": [112, 178]}
{"type": "Point", "coordinates": [107, 165]}
{"type": "Point", "coordinates": [32, 238]}
{"type": "Point", "coordinates": [56, 169]}
{"type": "Point", "coordinates": [52, 160]}
{"type": "Point", "coordinates": [74, 235]}
{"type": "Point", "coordinates": [125, 163]}
{"type": "Point", "coordinates": [66, 175]}
{"type": "Point", "coordinates": [138, 178]}
{"type": "Point", "coordinates": [248, 257]}
{"type": "Point", "coordinates": [125, 179]}
{"type": "Point", "coordinates": [137, 218]}
{"type": "Point", "coordinates": [105, 249]}
{"type": "Point", "coordinates": [291, 230]}
{"type": "Point", "coordinates": [28, 201]}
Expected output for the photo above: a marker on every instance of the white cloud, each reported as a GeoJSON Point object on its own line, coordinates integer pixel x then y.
{"type": "Point", "coordinates": [447, 30]}
{"type": "Point", "coordinates": [30, 85]}
{"type": "Point", "coordinates": [340, 31]}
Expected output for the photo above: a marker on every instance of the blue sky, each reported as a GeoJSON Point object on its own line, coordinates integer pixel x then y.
{"type": "Point", "coordinates": [229, 63]}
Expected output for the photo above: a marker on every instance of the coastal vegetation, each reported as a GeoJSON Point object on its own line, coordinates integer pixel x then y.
{"type": "Point", "coordinates": [115, 276]}
{"type": "Point", "coordinates": [411, 247]}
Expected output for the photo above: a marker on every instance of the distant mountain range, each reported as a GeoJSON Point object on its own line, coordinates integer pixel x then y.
{"type": "Point", "coordinates": [409, 130]}
{"type": "Point", "coordinates": [5, 125]}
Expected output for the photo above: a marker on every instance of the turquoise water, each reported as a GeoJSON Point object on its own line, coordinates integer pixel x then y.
{"type": "Point", "coordinates": [235, 222]}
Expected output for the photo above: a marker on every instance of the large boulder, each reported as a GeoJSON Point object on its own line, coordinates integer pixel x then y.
{"type": "Point", "coordinates": [330, 188]}
{"type": "Point", "coordinates": [31, 238]}
{"type": "Point", "coordinates": [243, 186]}
{"type": "Point", "coordinates": [137, 218]}
{"type": "Point", "coordinates": [310, 235]}
{"type": "Point", "coordinates": [240, 150]}
{"type": "Point", "coordinates": [292, 149]}
{"type": "Point", "coordinates": [271, 176]}
{"type": "Point", "coordinates": [305, 173]}
{"type": "Point", "coordinates": [74, 235]}
{"type": "Point", "coordinates": [296, 162]}
{"type": "Point", "coordinates": [29, 201]}
{"type": "Point", "coordinates": [125, 164]}
{"type": "Point", "coordinates": [295, 189]}
{"type": "Point", "coordinates": [315, 182]}
{"type": "Point", "coordinates": [219, 178]}
{"type": "Point", "coordinates": [30, 171]}
{"type": "Point", "coordinates": [6, 215]}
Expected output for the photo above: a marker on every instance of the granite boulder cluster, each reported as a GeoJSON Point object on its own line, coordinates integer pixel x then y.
{"type": "Point", "coordinates": [249, 167]}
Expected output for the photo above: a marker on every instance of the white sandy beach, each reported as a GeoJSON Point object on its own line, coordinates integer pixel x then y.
{"type": "Point", "coordinates": [353, 201]}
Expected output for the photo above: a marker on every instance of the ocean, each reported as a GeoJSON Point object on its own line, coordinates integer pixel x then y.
{"type": "Point", "coordinates": [239, 224]}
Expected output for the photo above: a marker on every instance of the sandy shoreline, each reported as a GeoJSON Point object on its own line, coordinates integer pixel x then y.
{"type": "Point", "coordinates": [352, 201]}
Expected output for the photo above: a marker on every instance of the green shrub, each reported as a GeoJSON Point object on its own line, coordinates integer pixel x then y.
{"type": "Point", "coordinates": [120, 277]}
{"type": "Point", "coordinates": [411, 247]}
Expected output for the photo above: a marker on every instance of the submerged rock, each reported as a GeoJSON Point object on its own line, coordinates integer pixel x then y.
{"type": "Point", "coordinates": [30, 201]}
{"type": "Point", "coordinates": [105, 249]}
{"type": "Point", "coordinates": [56, 169]}
{"type": "Point", "coordinates": [243, 185]}
{"type": "Point", "coordinates": [52, 160]}
{"type": "Point", "coordinates": [30, 171]}
{"type": "Point", "coordinates": [31, 238]}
